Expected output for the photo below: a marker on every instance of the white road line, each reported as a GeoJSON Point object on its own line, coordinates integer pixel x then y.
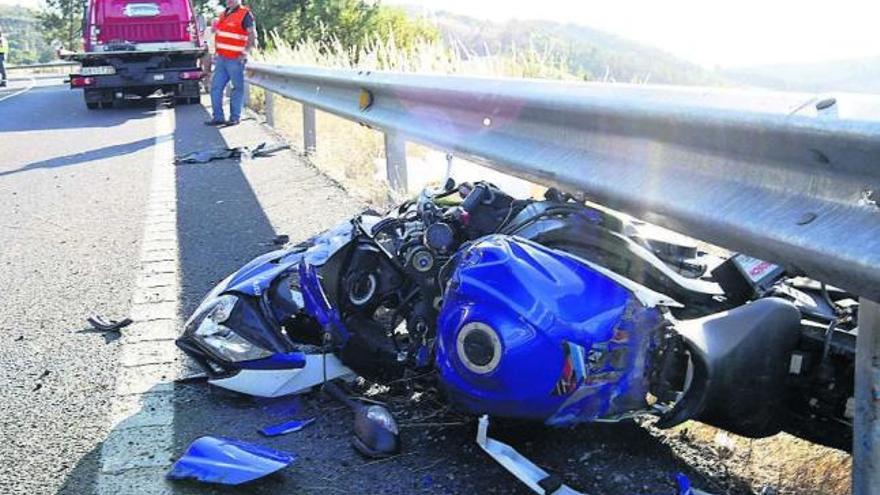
{"type": "Point", "coordinates": [137, 452]}
{"type": "Point", "coordinates": [25, 90]}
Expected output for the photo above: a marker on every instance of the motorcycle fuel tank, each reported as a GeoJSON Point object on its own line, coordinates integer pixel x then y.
{"type": "Point", "coordinates": [534, 333]}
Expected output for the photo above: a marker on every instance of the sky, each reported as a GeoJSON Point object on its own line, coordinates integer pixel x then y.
{"type": "Point", "coordinates": [709, 32]}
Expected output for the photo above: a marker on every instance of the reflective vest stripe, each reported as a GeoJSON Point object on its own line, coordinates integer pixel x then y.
{"type": "Point", "coordinates": [232, 48]}
{"type": "Point", "coordinates": [226, 34]}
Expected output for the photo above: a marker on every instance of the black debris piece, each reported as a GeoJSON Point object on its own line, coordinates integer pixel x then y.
{"type": "Point", "coordinates": [281, 239]}
{"type": "Point", "coordinates": [205, 156]}
{"type": "Point", "coordinates": [101, 324]}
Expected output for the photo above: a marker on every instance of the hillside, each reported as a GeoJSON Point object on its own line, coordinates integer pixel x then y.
{"type": "Point", "coordinates": [26, 43]}
{"type": "Point", "coordinates": [590, 53]}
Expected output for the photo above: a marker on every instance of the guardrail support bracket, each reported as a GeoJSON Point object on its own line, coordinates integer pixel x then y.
{"type": "Point", "coordinates": [395, 161]}
{"type": "Point", "coordinates": [270, 108]}
{"type": "Point", "coordinates": [310, 133]}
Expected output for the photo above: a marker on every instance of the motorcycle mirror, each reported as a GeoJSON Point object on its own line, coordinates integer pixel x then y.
{"type": "Point", "coordinates": [376, 434]}
{"type": "Point", "coordinates": [450, 184]}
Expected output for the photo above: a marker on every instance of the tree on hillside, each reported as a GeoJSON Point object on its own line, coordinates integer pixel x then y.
{"type": "Point", "coordinates": [26, 43]}
{"type": "Point", "coordinates": [62, 21]}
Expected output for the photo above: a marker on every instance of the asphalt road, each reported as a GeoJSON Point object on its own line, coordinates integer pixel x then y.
{"type": "Point", "coordinates": [74, 185]}
{"type": "Point", "coordinates": [72, 192]}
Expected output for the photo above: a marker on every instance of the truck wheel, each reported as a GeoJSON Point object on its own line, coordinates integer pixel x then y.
{"type": "Point", "coordinates": [106, 104]}
{"type": "Point", "coordinates": [92, 105]}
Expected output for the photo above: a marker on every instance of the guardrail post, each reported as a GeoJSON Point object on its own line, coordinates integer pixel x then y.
{"type": "Point", "coordinates": [395, 161]}
{"type": "Point", "coordinates": [270, 108]}
{"type": "Point", "coordinates": [866, 429]}
{"type": "Point", "coordinates": [310, 134]}
{"type": "Point", "coordinates": [247, 94]}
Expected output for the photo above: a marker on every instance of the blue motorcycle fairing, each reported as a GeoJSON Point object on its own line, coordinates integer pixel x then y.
{"type": "Point", "coordinates": [267, 292]}
{"type": "Point", "coordinates": [317, 306]}
{"type": "Point", "coordinates": [228, 462]}
{"type": "Point", "coordinates": [256, 277]}
{"type": "Point", "coordinates": [574, 342]}
{"type": "Point", "coordinates": [277, 361]}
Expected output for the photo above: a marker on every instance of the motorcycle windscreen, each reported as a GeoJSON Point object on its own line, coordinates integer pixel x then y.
{"type": "Point", "coordinates": [529, 332]}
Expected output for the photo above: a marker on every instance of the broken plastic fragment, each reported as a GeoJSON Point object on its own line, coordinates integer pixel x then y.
{"type": "Point", "coordinates": [684, 486]}
{"type": "Point", "coordinates": [286, 427]}
{"type": "Point", "coordinates": [227, 461]}
{"type": "Point", "coordinates": [102, 325]}
{"type": "Point", "coordinates": [525, 470]}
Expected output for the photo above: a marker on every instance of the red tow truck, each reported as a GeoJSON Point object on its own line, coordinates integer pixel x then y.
{"type": "Point", "coordinates": [138, 48]}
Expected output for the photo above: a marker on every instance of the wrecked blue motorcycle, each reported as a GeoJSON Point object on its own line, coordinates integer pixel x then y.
{"type": "Point", "coordinates": [555, 310]}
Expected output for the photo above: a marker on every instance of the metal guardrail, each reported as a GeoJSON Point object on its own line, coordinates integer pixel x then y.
{"type": "Point", "coordinates": [765, 174]}
{"type": "Point", "coordinates": [50, 65]}
{"type": "Point", "coordinates": [790, 178]}
{"type": "Point", "coordinates": [36, 71]}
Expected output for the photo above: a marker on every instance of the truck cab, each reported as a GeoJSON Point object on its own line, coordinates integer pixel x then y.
{"type": "Point", "coordinates": [139, 48]}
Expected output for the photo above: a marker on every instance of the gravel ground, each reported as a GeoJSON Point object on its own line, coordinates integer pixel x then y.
{"type": "Point", "coordinates": [71, 202]}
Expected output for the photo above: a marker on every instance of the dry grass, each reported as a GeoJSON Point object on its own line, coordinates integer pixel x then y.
{"type": "Point", "coordinates": [786, 463]}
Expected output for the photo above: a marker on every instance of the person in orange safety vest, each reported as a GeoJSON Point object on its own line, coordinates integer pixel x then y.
{"type": "Point", "coordinates": [235, 36]}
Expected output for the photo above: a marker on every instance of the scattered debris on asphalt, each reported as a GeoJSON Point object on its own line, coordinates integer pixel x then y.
{"type": "Point", "coordinates": [286, 406]}
{"type": "Point", "coordinates": [281, 239]}
{"type": "Point", "coordinates": [286, 427]}
{"type": "Point", "coordinates": [101, 324]}
{"type": "Point", "coordinates": [194, 378]}
{"type": "Point", "coordinates": [228, 462]}
{"type": "Point", "coordinates": [240, 152]}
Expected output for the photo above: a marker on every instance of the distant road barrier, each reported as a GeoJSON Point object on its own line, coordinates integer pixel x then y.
{"type": "Point", "coordinates": [48, 70]}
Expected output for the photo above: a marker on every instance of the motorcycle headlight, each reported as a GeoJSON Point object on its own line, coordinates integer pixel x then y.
{"type": "Point", "coordinates": [227, 344]}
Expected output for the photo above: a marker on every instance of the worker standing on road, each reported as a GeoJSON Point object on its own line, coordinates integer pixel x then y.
{"type": "Point", "coordinates": [4, 49]}
{"type": "Point", "coordinates": [235, 36]}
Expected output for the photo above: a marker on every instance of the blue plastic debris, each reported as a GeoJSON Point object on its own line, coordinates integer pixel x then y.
{"type": "Point", "coordinates": [685, 487]}
{"type": "Point", "coordinates": [286, 427]}
{"type": "Point", "coordinates": [227, 461]}
{"type": "Point", "coordinates": [684, 484]}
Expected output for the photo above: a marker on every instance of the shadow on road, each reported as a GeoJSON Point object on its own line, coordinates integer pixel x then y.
{"type": "Point", "coordinates": [60, 108]}
{"type": "Point", "coordinates": [115, 151]}
{"type": "Point", "coordinates": [220, 222]}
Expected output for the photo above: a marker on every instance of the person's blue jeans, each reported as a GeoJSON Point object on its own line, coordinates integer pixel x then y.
{"type": "Point", "coordinates": [227, 70]}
